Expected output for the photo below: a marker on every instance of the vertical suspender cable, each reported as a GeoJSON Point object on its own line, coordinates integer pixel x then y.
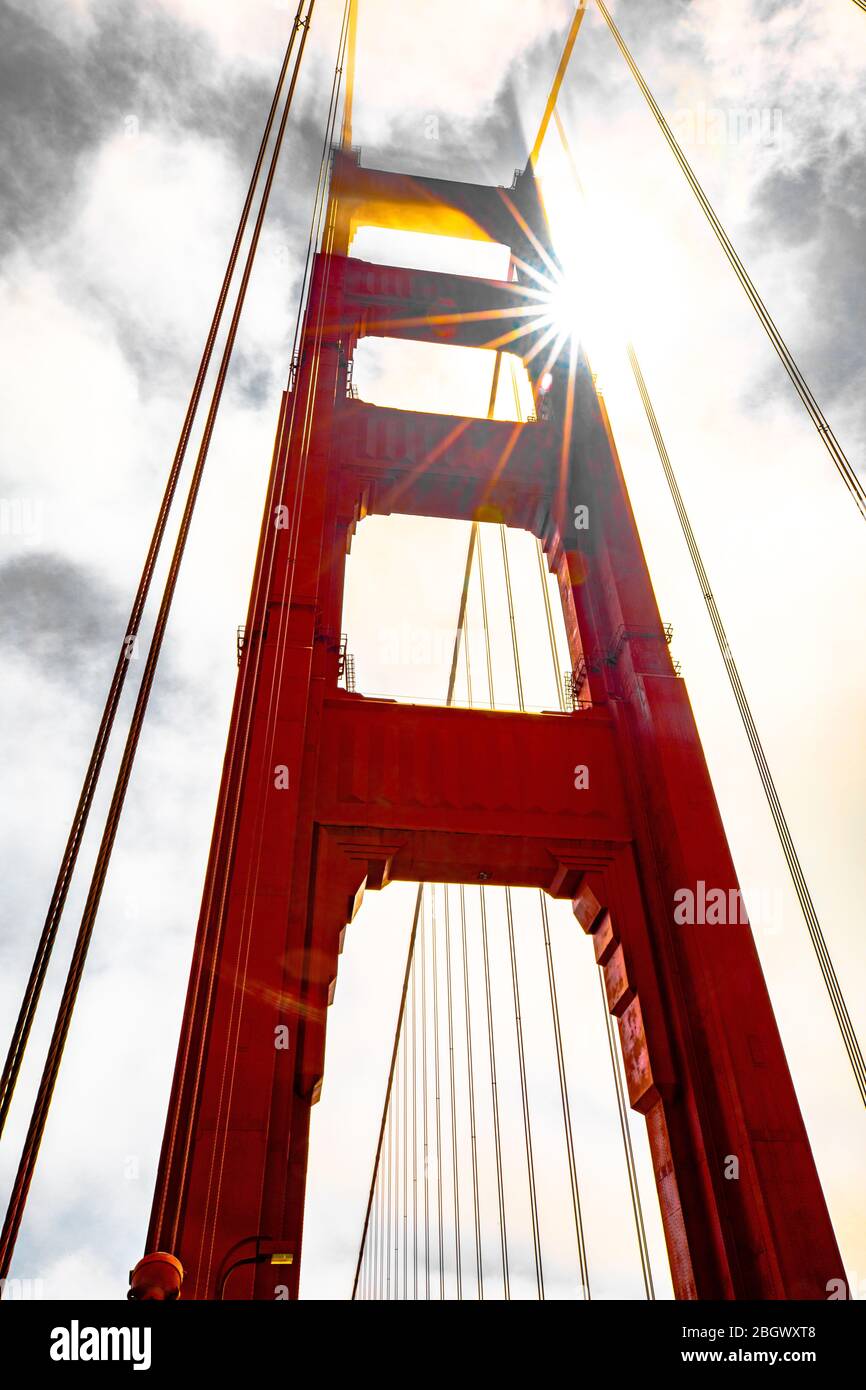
{"type": "Point", "coordinates": [438, 1097]}
{"type": "Point", "coordinates": [461, 618]}
{"type": "Point", "coordinates": [414, 1137]}
{"type": "Point", "coordinates": [48, 1081]}
{"type": "Point", "coordinates": [373, 1241]}
{"type": "Point", "coordinates": [566, 1108]}
{"type": "Point", "coordinates": [381, 1233]}
{"type": "Point", "coordinates": [454, 1163]}
{"type": "Point", "coordinates": [622, 1107]}
{"type": "Point", "coordinates": [834, 448]}
{"type": "Point", "coordinates": [405, 1163]}
{"type": "Point", "coordinates": [425, 1131]}
{"type": "Point", "coordinates": [497, 1136]}
{"type": "Point", "coordinates": [511, 620]}
{"type": "Point", "coordinates": [524, 1092]}
{"type": "Point", "coordinates": [386, 1109]}
{"type": "Point", "coordinates": [491, 1042]}
{"type": "Point", "coordinates": [470, 1069]}
{"type": "Point", "coordinates": [24, 1022]}
{"type": "Point", "coordinates": [524, 1098]}
{"type": "Point", "coordinates": [398, 1176]}
{"type": "Point", "coordinates": [486, 624]}
{"type": "Point", "coordinates": [388, 1237]}
{"type": "Point", "coordinates": [470, 1072]}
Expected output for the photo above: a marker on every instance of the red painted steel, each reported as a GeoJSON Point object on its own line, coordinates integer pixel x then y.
{"type": "Point", "coordinates": [326, 794]}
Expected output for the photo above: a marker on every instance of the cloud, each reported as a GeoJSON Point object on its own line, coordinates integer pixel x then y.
{"type": "Point", "coordinates": [60, 617]}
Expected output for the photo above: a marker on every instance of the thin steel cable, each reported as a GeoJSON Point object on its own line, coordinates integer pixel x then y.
{"type": "Point", "coordinates": [48, 1081]}
{"type": "Point", "coordinates": [476, 1209]}
{"type": "Point", "coordinates": [414, 1136]}
{"type": "Point", "coordinates": [485, 622]}
{"type": "Point", "coordinates": [425, 1110]}
{"type": "Point", "coordinates": [566, 1108]}
{"type": "Point", "coordinates": [524, 1090]}
{"type": "Point", "coordinates": [454, 1164]}
{"type": "Point", "coordinates": [436, 1080]}
{"type": "Point", "coordinates": [491, 1042]}
{"type": "Point", "coordinates": [631, 1167]}
{"type": "Point", "coordinates": [461, 618]}
{"type": "Point", "coordinates": [380, 1262]}
{"type": "Point", "coordinates": [395, 1102]}
{"type": "Point", "coordinates": [524, 1099]}
{"type": "Point", "coordinates": [470, 1075]}
{"type": "Point", "coordinates": [33, 989]}
{"type": "Point", "coordinates": [510, 596]}
{"type": "Point", "coordinates": [405, 1166]}
{"type": "Point", "coordinates": [551, 630]}
{"type": "Point", "coordinates": [834, 448]}
{"type": "Point", "coordinates": [373, 1241]}
{"type": "Point", "coordinates": [813, 925]}
{"type": "Point", "coordinates": [386, 1108]}
{"type": "Point", "coordinates": [381, 1235]}
{"type": "Point", "coordinates": [497, 1135]}
{"type": "Point", "coordinates": [388, 1237]}
{"type": "Point", "coordinates": [551, 978]}
{"type": "Point", "coordinates": [467, 661]}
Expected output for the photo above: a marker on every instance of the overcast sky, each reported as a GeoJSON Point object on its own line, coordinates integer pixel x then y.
{"type": "Point", "coordinates": [128, 130]}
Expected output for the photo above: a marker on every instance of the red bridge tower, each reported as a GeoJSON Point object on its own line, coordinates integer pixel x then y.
{"type": "Point", "coordinates": [326, 793]}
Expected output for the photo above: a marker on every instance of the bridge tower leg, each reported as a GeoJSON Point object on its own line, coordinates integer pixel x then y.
{"type": "Point", "coordinates": [326, 794]}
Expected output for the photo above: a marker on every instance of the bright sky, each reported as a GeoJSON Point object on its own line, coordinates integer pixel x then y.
{"type": "Point", "coordinates": [129, 135]}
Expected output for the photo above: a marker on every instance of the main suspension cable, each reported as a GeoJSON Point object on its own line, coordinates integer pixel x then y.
{"type": "Point", "coordinates": [834, 448]}
{"type": "Point", "coordinates": [33, 989]}
{"type": "Point", "coordinates": [48, 1081]}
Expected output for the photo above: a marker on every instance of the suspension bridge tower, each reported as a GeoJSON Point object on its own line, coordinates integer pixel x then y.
{"type": "Point", "coordinates": [327, 794]}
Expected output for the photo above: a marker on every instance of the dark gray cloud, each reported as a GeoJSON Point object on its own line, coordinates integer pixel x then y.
{"type": "Point", "coordinates": [60, 616]}
{"type": "Point", "coordinates": [67, 623]}
{"type": "Point", "coordinates": [61, 98]}
{"type": "Point", "coordinates": [819, 208]}
{"type": "Point", "coordinates": [787, 204]}
{"type": "Point", "coordinates": [138, 69]}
